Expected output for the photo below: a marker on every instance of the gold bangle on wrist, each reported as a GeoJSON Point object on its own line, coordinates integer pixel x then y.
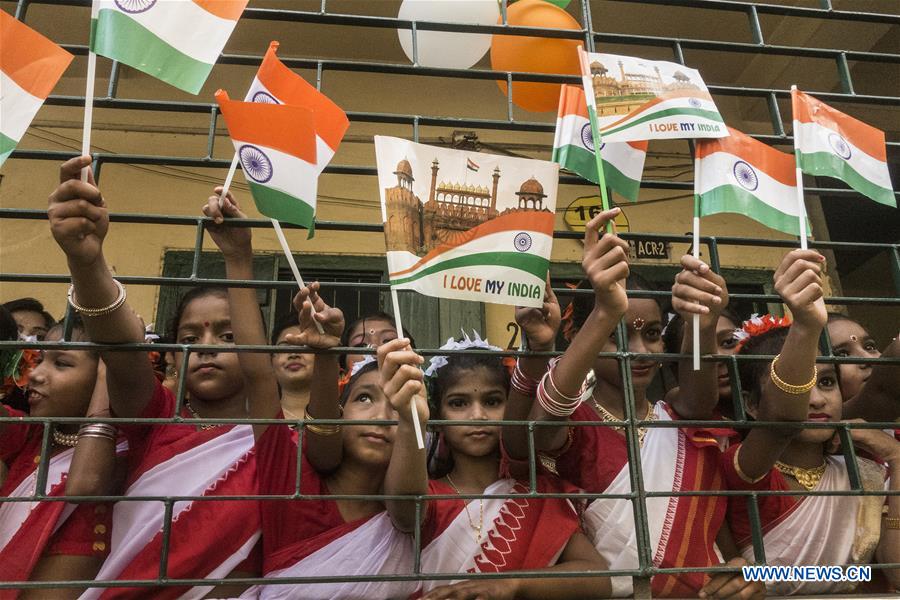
{"type": "Point", "coordinates": [891, 522]}
{"type": "Point", "coordinates": [788, 388]}
{"type": "Point", "coordinates": [320, 429]}
{"type": "Point", "coordinates": [102, 311]}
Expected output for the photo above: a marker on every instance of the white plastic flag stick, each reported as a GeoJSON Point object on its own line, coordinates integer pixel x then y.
{"type": "Point", "coordinates": [290, 258]}
{"type": "Point", "coordinates": [417, 426]}
{"type": "Point", "coordinates": [801, 205]}
{"type": "Point", "coordinates": [696, 320]}
{"type": "Point", "coordinates": [88, 110]}
{"type": "Point", "coordinates": [278, 232]}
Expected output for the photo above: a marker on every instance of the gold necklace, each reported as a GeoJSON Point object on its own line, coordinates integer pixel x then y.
{"type": "Point", "coordinates": [204, 426]}
{"type": "Point", "coordinates": [65, 439]}
{"type": "Point", "coordinates": [607, 416]}
{"type": "Point", "coordinates": [808, 478]}
{"type": "Point", "coordinates": [476, 528]}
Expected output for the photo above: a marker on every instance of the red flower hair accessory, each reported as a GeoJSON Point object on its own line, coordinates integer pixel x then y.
{"type": "Point", "coordinates": [758, 325]}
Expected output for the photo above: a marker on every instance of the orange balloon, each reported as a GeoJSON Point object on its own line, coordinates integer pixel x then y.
{"type": "Point", "coordinates": [536, 54]}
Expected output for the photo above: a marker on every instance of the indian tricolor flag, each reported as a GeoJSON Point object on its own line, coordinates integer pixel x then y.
{"type": "Point", "coordinates": [573, 147]}
{"type": "Point", "coordinates": [276, 145]}
{"type": "Point", "coordinates": [30, 66]}
{"type": "Point", "coordinates": [177, 41]}
{"type": "Point", "coordinates": [738, 174]}
{"type": "Point", "coordinates": [828, 142]}
{"type": "Point", "coordinates": [276, 84]}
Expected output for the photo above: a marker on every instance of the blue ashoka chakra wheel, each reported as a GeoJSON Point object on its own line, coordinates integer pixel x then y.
{"type": "Point", "coordinates": [522, 242]}
{"type": "Point", "coordinates": [745, 175]}
{"type": "Point", "coordinates": [839, 145]}
{"type": "Point", "coordinates": [265, 98]}
{"type": "Point", "coordinates": [695, 102]}
{"type": "Point", "coordinates": [135, 6]}
{"type": "Point", "coordinates": [587, 137]}
{"type": "Point", "coordinates": [255, 163]}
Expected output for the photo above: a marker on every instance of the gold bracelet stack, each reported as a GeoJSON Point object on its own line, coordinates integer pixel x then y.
{"type": "Point", "coordinates": [102, 311]}
{"type": "Point", "coordinates": [788, 388]}
{"type": "Point", "coordinates": [98, 430]}
{"type": "Point", "coordinates": [320, 429]}
{"type": "Point", "coordinates": [891, 522]}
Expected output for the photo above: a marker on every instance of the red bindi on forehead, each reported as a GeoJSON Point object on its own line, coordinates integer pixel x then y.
{"type": "Point", "coordinates": [206, 323]}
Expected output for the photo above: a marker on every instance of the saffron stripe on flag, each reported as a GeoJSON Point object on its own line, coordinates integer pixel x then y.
{"type": "Point", "coordinates": [29, 59]}
{"type": "Point", "coordinates": [863, 136]}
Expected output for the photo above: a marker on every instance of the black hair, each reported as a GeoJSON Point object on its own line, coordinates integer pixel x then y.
{"type": "Point", "coordinates": [375, 316]}
{"type": "Point", "coordinates": [292, 319]}
{"type": "Point", "coordinates": [78, 333]}
{"type": "Point", "coordinates": [583, 304]}
{"type": "Point", "coordinates": [366, 368]}
{"type": "Point", "coordinates": [30, 305]}
{"type": "Point", "coordinates": [193, 294]}
{"type": "Point", "coordinates": [439, 466]}
{"type": "Point", "coordinates": [9, 331]}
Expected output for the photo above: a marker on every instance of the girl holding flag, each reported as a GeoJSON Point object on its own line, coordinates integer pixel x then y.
{"type": "Point", "coordinates": [320, 537]}
{"type": "Point", "coordinates": [207, 539]}
{"type": "Point", "coordinates": [682, 530]}
{"type": "Point", "coordinates": [487, 535]}
{"type": "Point", "coordinates": [808, 530]}
{"type": "Point", "coordinates": [51, 540]}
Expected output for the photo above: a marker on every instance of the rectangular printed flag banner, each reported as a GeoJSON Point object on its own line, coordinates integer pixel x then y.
{"type": "Point", "coordinates": [451, 233]}
{"type": "Point", "coordinates": [831, 143]}
{"type": "Point", "coordinates": [276, 84]}
{"type": "Point", "coordinates": [276, 145]}
{"type": "Point", "coordinates": [573, 147]}
{"type": "Point", "coordinates": [177, 41]}
{"type": "Point", "coordinates": [639, 99]}
{"type": "Point", "coordinates": [30, 66]}
{"type": "Point", "coordinates": [738, 174]}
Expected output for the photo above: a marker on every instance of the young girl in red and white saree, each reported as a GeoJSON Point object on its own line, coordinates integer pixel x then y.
{"type": "Point", "coordinates": [52, 540]}
{"type": "Point", "coordinates": [320, 536]}
{"type": "Point", "coordinates": [208, 539]}
{"type": "Point", "coordinates": [489, 535]}
{"type": "Point", "coordinates": [809, 530]}
{"type": "Point", "coordinates": [682, 529]}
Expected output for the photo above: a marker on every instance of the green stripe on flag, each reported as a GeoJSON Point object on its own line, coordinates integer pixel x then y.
{"type": "Point", "coordinates": [7, 145]}
{"type": "Point", "coordinates": [581, 161]}
{"type": "Point", "coordinates": [280, 206]}
{"type": "Point", "coordinates": [121, 38]}
{"type": "Point", "coordinates": [691, 112]}
{"type": "Point", "coordinates": [831, 165]}
{"type": "Point", "coordinates": [734, 199]}
{"type": "Point", "coordinates": [530, 263]}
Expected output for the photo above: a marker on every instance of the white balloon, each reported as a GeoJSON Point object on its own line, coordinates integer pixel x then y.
{"type": "Point", "coordinates": [443, 48]}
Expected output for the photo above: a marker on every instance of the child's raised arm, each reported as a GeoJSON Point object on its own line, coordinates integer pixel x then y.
{"type": "Point", "coordinates": [698, 290]}
{"type": "Point", "coordinates": [605, 262]}
{"type": "Point", "coordinates": [79, 221]}
{"type": "Point", "coordinates": [798, 280]}
{"type": "Point", "coordinates": [246, 321]}
{"type": "Point", "coordinates": [324, 447]}
{"type": "Point", "coordinates": [407, 473]}
{"type": "Point", "coordinates": [538, 326]}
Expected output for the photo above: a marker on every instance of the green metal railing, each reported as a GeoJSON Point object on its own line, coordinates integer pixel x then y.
{"type": "Point", "coordinates": [841, 59]}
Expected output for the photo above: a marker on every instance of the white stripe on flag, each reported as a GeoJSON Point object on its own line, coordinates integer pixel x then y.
{"type": "Point", "coordinates": [627, 159]}
{"type": "Point", "coordinates": [718, 169]}
{"type": "Point", "coordinates": [17, 106]}
{"type": "Point", "coordinates": [812, 138]}
{"type": "Point", "coordinates": [184, 26]}
{"type": "Point", "coordinates": [289, 174]}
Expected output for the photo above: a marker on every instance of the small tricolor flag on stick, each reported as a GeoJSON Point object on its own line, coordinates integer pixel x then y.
{"type": "Point", "coordinates": [573, 147]}
{"type": "Point", "coordinates": [30, 66]}
{"type": "Point", "coordinates": [738, 174]}
{"type": "Point", "coordinates": [470, 165]}
{"type": "Point", "coordinates": [276, 145]}
{"type": "Point", "coordinates": [831, 143]}
{"type": "Point", "coordinates": [177, 41]}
